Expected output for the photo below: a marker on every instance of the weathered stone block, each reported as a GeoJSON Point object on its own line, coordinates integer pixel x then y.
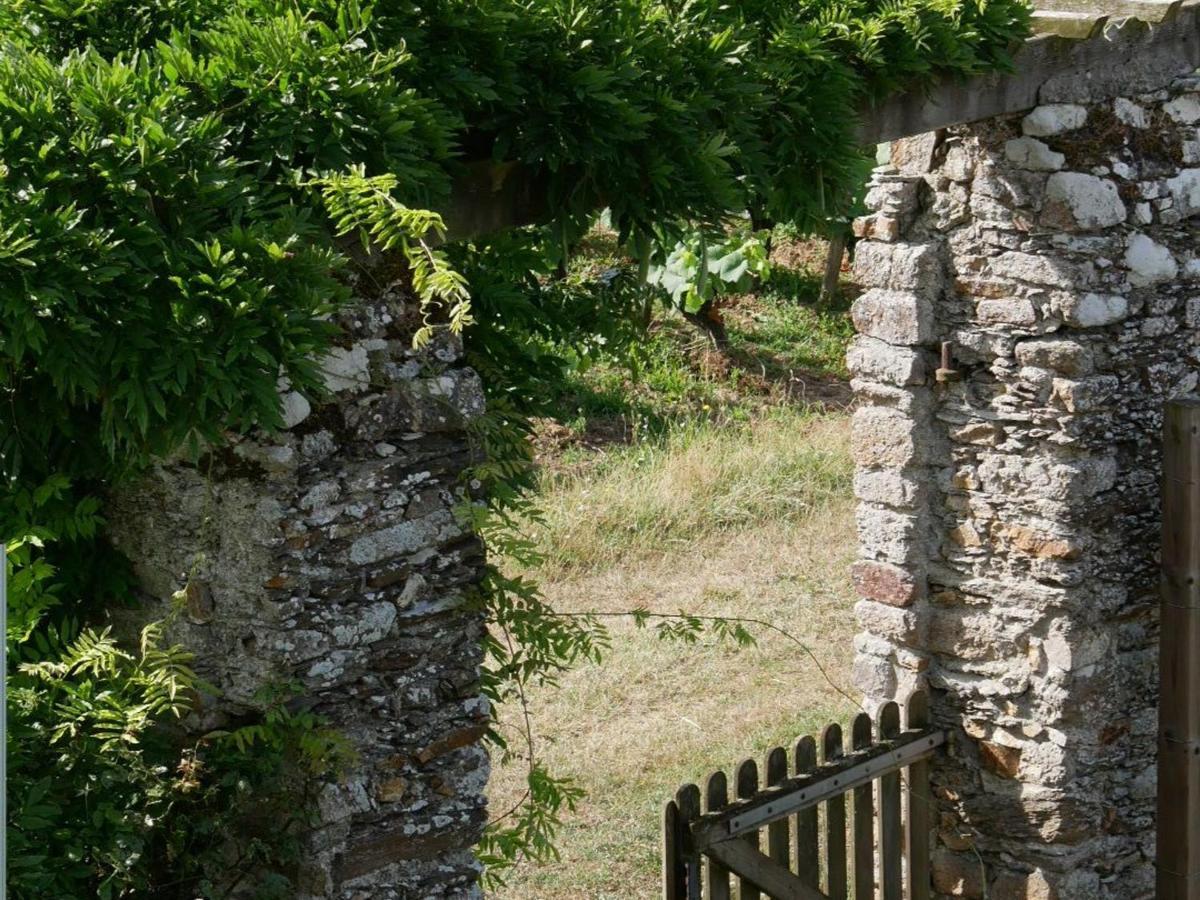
{"type": "Point", "coordinates": [1084, 202]}
{"type": "Point", "coordinates": [894, 316]}
{"type": "Point", "coordinates": [1030, 153]}
{"type": "Point", "coordinates": [1087, 394]}
{"type": "Point", "coordinates": [888, 535]}
{"type": "Point", "coordinates": [1013, 311]}
{"type": "Point", "coordinates": [957, 874]}
{"type": "Point", "coordinates": [875, 360]}
{"type": "Point", "coordinates": [1037, 269]}
{"type": "Point", "coordinates": [1062, 355]}
{"type": "Point", "coordinates": [914, 155]}
{"type": "Point", "coordinates": [346, 369]}
{"type": "Point", "coordinates": [900, 267]}
{"type": "Point", "coordinates": [874, 676]}
{"type": "Point", "coordinates": [1022, 886]}
{"type": "Point", "coordinates": [1149, 261]}
{"type": "Point", "coordinates": [876, 228]}
{"type": "Point", "coordinates": [887, 438]}
{"type": "Point", "coordinates": [1184, 110]}
{"type": "Point", "coordinates": [1130, 113]}
{"type": "Point", "coordinates": [895, 196]}
{"type": "Point", "coordinates": [958, 165]}
{"type": "Point", "coordinates": [1039, 543]}
{"type": "Point", "coordinates": [886, 583]}
{"type": "Point", "coordinates": [896, 624]}
{"type": "Point", "coordinates": [1093, 310]}
{"type": "Point", "coordinates": [1184, 189]}
{"type": "Point", "coordinates": [1053, 119]}
{"type": "Point", "coordinates": [898, 488]}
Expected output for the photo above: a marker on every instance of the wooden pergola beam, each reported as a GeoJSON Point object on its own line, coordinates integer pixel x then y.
{"type": "Point", "coordinates": [1094, 49]}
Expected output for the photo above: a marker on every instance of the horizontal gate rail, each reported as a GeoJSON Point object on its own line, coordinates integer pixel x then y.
{"type": "Point", "coordinates": [829, 781]}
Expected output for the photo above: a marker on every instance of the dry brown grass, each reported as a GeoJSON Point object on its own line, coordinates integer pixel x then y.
{"type": "Point", "coordinates": [702, 482]}
{"type": "Point", "coordinates": [710, 525]}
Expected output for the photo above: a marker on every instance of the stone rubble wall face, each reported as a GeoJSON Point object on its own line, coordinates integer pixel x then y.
{"type": "Point", "coordinates": [1008, 519]}
{"type": "Point", "coordinates": [334, 559]}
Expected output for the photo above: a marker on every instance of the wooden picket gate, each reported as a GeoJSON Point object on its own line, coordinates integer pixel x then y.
{"type": "Point", "coordinates": [835, 828]}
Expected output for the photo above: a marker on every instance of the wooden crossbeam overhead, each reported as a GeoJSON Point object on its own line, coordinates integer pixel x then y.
{"type": "Point", "coordinates": [1097, 48]}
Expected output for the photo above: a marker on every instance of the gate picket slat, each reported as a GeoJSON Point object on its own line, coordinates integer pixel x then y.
{"type": "Point", "coordinates": [864, 818]}
{"type": "Point", "coordinates": [746, 780]}
{"type": "Point", "coordinates": [835, 820]}
{"type": "Point", "coordinates": [674, 875]}
{"type": "Point", "coordinates": [687, 800]}
{"type": "Point", "coordinates": [891, 849]}
{"type": "Point", "coordinates": [716, 876]}
{"type": "Point", "coordinates": [920, 806]}
{"type": "Point", "coordinates": [808, 863]}
{"type": "Point", "coordinates": [777, 832]}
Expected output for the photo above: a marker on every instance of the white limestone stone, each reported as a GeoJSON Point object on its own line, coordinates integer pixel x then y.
{"type": "Point", "coordinates": [346, 369]}
{"type": "Point", "coordinates": [1149, 262]}
{"type": "Point", "coordinates": [1130, 113]}
{"type": "Point", "coordinates": [1054, 118]}
{"type": "Point", "coordinates": [1124, 170]}
{"type": "Point", "coordinates": [958, 165]}
{"type": "Point", "coordinates": [1093, 202]}
{"type": "Point", "coordinates": [1185, 191]}
{"type": "Point", "coordinates": [1185, 110]}
{"type": "Point", "coordinates": [1030, 153]}
{"type": "Point", "coordinates": [295, 408]}
{"type": "Point", "coordinates": [1193, 312]}
{"type": "Point", "coordinates": [1095, 310]}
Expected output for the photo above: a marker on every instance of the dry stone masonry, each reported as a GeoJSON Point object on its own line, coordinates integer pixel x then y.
{"type": "Point", "coordinates": [1009, 495]}
{"type": "Point", "coordinates": [330, 556]}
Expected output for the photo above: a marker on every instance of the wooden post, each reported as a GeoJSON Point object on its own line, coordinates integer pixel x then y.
{"type": "Point", "coordinates": [833, 267]}
{"type": "Point", "coordinates": [1178, 828]}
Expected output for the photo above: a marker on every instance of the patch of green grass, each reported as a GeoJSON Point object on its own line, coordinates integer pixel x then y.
{"type": "Point", "coordinates": [782, 341]}
{"type": "Point", "coordinates": [700, 481]}
{"type": "Point", "coordinates": [785, 335]}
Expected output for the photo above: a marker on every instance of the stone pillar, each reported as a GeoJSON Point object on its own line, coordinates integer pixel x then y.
{"type": "Point", "coordinates": [1009, 513]}
{"type": "Point", "coordinates": [330, 555]}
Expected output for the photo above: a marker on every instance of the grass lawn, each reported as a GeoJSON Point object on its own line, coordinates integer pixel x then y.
{"type": "Point", "coordinates": [715, 486]}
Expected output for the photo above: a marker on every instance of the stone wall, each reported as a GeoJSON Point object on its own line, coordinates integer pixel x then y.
{"type": "Point", "coordinates": [330, 555]}
{"type": "Point", "coordinates": [1009, 509]}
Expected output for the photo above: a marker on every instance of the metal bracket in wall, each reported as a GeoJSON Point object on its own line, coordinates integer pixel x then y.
{"type": "Point", "coordinates": [947, 372]}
